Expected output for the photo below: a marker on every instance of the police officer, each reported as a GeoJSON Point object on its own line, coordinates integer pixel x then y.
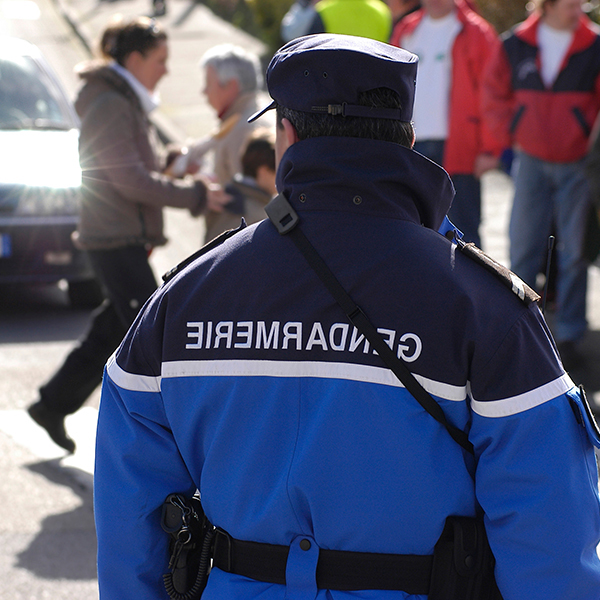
{"type": "Point", "coordinates": [244, 379]}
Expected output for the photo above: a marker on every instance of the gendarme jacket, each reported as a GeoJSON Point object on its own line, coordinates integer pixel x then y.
{"type": "Point", "coordinates": [552, 124]}
{"type": "Point", "coordinates": [243, 378]}
{"type": "Point", "coordinates": [123, 190]}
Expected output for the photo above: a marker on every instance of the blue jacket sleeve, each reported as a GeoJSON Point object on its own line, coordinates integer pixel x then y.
{"type": "Point", "coordinates": [537, 479]}
{"type": "Point", "coordinates": [137, 466]}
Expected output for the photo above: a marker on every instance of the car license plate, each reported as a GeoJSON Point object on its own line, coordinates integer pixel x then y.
{"type": "Point", "coordinates": [5, 245]}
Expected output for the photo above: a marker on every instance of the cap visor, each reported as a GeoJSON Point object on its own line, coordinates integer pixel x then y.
{"type": "Point", "coordinates": [261, 112]}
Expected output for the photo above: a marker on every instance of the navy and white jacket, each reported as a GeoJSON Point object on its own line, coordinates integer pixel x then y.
{"type": "Point", "coordinates": [551, 123]}
{"type": "Point", "coordinates": [243, 378]}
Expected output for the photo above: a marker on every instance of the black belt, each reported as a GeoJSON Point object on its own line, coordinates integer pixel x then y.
{"type": "Point", "coordinates": [336, 569]}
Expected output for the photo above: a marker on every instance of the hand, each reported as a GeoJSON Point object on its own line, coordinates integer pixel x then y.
{"type": "Point", "coordinates": [216, 198]}
{"type": "Point", "coordinates": [176, 162]}
{"type": "Point", "coordinates": [484, 163]}
{"type": "Point", "coordinates": [193, 167]}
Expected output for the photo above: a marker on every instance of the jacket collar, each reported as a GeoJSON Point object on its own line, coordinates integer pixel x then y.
{"type": "Point", "coordinates": [583, 38]}
{"type": "Point", "coordinates": [244, 104]}
{"type": "Point", "coordinates": [373, 177]}
{"type": "Point", "coordinates": [99, 71]}
{"type": "Point", "coordinates": [148, 100]}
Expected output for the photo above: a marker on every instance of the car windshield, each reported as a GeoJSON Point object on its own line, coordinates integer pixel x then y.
{"type": "Point", "coordinates": [29, 99]}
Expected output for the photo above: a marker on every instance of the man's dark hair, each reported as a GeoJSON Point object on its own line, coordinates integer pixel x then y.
{"type": "Point", "coordinates": [310, 125]}
{"type": "Point", "coordinates": [259, 152]}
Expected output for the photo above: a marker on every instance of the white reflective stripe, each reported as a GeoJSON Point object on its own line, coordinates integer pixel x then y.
{"type": "Point", "coordinates": [129, 381]}
{"type": "Point", "coordinates": [327, 370]}
{"type": "Point", "coordinates": [518, 286]}
{"type": "Point", "coordinates": [523, 402]}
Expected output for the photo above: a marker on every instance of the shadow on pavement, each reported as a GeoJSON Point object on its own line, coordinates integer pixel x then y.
{"type": "Point", "coordinates": [65, 547]}
{"type": "Point", "coordinates": [39, 314]}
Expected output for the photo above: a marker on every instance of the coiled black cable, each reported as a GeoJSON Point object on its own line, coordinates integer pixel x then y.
{"type": "Point", "coordinates": [196, 590]}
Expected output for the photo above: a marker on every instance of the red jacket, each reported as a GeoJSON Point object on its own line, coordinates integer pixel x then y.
{"type": "Point", "coordinates": [468, 136]}
{"type": "Point", "coordinates": [552, 124]}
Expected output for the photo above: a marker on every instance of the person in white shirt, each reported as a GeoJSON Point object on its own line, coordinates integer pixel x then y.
{"type": "Point", "coordinates": [453, 44]}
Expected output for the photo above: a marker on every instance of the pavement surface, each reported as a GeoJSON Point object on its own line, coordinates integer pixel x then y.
{"type": "Point", "coordinates": [184, 115]}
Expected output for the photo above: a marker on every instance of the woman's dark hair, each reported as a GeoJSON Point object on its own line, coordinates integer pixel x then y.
{"type": "Point", "coordinates": [121, 38]}
{"type": "Point", "coordinates": [309, 125]}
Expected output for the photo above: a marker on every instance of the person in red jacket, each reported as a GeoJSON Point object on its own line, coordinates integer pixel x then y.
{"type": "Point", "coordinates": [541, 95]}
{"type": "Point", "coordinates": [453, 44]}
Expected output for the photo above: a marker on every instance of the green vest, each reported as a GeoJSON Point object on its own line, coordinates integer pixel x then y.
{"type": "Point", "coordinates": [364, 18]}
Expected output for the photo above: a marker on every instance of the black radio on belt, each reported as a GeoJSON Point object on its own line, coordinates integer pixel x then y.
{"type": "Point", "coordinates": [190, 546]}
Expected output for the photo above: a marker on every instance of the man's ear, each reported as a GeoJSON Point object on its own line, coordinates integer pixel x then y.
{"type": "Point", "coordinates": [285, 136]}
{"type": "Point", "coordinates": [291, 135]}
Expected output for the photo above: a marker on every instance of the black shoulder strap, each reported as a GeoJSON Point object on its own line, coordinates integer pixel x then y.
{"type": "Point", "coordinates": [206, 248]}
{"type": "Point", "coordinates": [285, 219]}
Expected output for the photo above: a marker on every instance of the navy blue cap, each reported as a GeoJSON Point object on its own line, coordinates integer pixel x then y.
{"type": "Point", "coordinates": [325, 73]}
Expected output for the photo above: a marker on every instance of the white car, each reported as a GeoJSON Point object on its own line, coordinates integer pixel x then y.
{"type": "Point", "coordinates": [40, 176]}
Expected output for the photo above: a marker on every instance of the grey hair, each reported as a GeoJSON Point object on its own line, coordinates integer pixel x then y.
{"type": "Point", "coordinates": [233, 62]}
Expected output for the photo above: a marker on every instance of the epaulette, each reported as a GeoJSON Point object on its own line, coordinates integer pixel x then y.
{"type": "Point", "coordinates": [206, 248]}
{"type": "Point", "coordinates": [514, 283]}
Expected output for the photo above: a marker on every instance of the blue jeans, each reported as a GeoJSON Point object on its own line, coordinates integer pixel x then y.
{"type": "Point", "coordinates": [465, 211]}
{"type": "Point", "coordinates": [548, 194]}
